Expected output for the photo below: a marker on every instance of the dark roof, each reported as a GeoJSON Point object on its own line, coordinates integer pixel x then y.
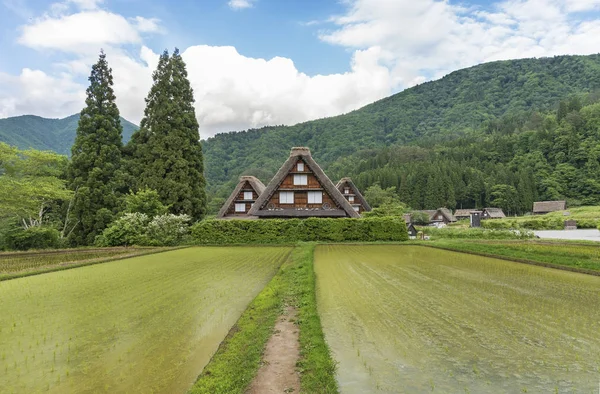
{"type": "Point", "coordinates": [447, 214]}
{"type": "Point", "coordinates": [495, 213]}
{"type": "Point", "coordinates": [462, 213]}
{"type": "Point", "coordinates": [254, 182]}
{"type": "Point", "coordinates": [304, 154]}
{"type": "Point", "coordinates": [549, 206]}
{"type": "Point", "coordinates": [357, 194]}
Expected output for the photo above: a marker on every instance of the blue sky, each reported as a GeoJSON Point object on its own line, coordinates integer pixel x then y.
{"type": "Point", "coordinates": [258, 62]}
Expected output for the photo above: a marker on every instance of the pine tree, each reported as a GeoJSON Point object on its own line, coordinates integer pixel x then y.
{"type": "Point", "coordinates": [95, 169]}
{"type": "Point", "coordinates": [166, 154]}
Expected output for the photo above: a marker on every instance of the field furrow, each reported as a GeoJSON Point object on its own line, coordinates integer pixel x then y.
{"type": "Point", "coordinates": [412, 319]}
{"type": "Point", "coordinates": [146, 324]}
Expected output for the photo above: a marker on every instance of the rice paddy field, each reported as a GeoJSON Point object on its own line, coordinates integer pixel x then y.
{"type": "Point", "coordinates": [415, 319]}
{"type": "Point", "coordinates": [142, 325]}
{"type": "Point", "coordinates": [17, 264]}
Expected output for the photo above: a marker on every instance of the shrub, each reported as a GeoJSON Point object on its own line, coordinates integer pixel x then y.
{"type": "Point", "coordinates": [146, 201]}
{"type": "Point", "coordinates": [272, 231]}
{"type": "Point", "coordinates": [33, 238]}
{"type": "Point", "coordinates": [129, 229]}
{"type": "Point", "coordinates": [169, 229]}
{"type": "Point", "coordinates": [476, 233]}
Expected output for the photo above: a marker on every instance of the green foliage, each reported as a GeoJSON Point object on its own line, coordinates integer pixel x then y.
{"type": "Point", "coordinates": [165, 154]}
{"type": "Point", "coordinates": [33, 238]}
{"type": "Point", "coordinates": [376, 196]}
{"type": "Point", "coordinates": [421, 218]}
{"type": "Point", "coordinates": [274, 231]}
{"type": "Point", "coordinates": [168, 229]}
{"type": "Point", "coordinates": [29, 181]}
{"type": "Point", "coordinates": [146, 201]}
{"type": "Point", "coordinates": [130, 229]}
{"type": "Point", "coordinates": [388, 209]}
{"type": "Point", "coordinates": [475, 233]}
{"type": "Point", "coordinates": [95, 170]}
{"type": "Point", "coordinates": [139, 229]}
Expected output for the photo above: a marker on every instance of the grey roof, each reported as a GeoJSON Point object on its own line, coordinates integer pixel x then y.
{"type": "Point", "coordinates": [357, 194]}
{"type": "Point", "coordinates": [254, 182]}
{"type": "Point", "coordinates": [304, 154]}
{"type": "Point", "coordinates": [462, 213]}
{"type": "Point", "coordinates": [495, 213]}
{"type": "Point", "coordinates": [447, 214]}
{"type": "Point", "coordinates": [549, 206]}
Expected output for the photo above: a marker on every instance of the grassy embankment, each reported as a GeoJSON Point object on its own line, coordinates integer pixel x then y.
{"type": "Point", "coordinates": [235, 364]}
{"type": "Point", "coordinates": [20, 264]}
{"type": "Point", "coordinates": [573, 256]}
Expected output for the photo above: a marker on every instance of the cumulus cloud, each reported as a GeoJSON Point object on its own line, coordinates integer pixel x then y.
{"type": "Point", "coordinates": [240, 4]}
{"type": "Point", "coordinates": [428, 38]}
{"type": "Point", "coordinates": [394, 44]}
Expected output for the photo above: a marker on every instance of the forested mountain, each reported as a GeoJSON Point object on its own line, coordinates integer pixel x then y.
{"type": "Point", "coordinates": [473, 103]}
{"type": "Point", "coordinates": [58, 135]}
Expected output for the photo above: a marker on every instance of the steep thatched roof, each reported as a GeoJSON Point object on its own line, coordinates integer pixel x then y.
{"type": "Point", "coordinates": [462, 213]}
{"type": "Point", "coordinates": [494, 213]}
{"type": "Point", "coordinates": [549, 206]}
{"type": "Point", "coordinates": [357, 194]}
{"type": "Point", "coordinates": [446, 213]}
{"type": "Point", "coordinates": [343, 206]}
{"type": "Point", "coordinates": [254, 182]}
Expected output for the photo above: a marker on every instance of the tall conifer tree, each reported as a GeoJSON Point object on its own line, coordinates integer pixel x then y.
{"type": "Point", "coordinates": [95, 168]}
{"type": "Point", "coordinates": [166, 154]}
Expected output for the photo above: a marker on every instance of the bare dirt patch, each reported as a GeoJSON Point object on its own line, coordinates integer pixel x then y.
{"type": "Point", "coordinates": [278, 371]}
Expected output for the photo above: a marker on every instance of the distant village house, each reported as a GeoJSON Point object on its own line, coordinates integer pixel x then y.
{"type": "Point", "coordinates": [542, 207]}
{"type": "Point", "coordinates": [353, 195]}
{"type": "Point", "coordinates": [242, 198]}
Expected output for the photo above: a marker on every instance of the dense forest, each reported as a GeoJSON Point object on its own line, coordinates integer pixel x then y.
{"type": "Point", "coordinates": [493, 103]}
{"type": "Point", "coordinates": [509, 163]}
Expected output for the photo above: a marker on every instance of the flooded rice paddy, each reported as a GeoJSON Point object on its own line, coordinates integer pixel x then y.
{"type": "Point", "coordinates": [414, 319]}
{"type": "Point", "coordinates": [142, 325]}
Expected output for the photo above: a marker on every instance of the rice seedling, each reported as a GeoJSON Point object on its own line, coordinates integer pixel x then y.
{"type": "Point", "coordinates": [424, 318]}
{"type": "Point", "coordinates": [144, 324]}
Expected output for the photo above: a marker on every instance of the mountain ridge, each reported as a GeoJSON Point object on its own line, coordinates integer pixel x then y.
{"type": "Point", "coordinates": [55, 134]}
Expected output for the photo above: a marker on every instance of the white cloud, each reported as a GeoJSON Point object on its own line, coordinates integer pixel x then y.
{"type": "Point", "coordinates": [240, 4]}
{"type": "Point", "coordinates": [395, 44]}
{"type": "Point", "coordinates": [79, 32]}
{"type": "Point", "coordinates": [234, 92]}
{"type": "Point", "coordinates": [429, 38]}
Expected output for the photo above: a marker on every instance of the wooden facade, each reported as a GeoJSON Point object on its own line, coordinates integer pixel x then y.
{"type": "Point", "coordinates": [353, 195]}
{"type": "Point", "coordinates": [301, 189]}
{"type": "Point", "coordinates": [242, 198]}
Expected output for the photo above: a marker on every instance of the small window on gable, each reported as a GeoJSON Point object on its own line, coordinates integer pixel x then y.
{"type": "Point", "coordinates": [247, 195]}
{"type": "Point", "coordinates": [351, 198]}
{"type": "Point", "coordinates": [300, 166]}
{"type": "Point", "coordinates": [286, 197]}
{"type": "Point", "coordinates": [300, 180]}
{"type": "Point", "coordinates": [346, 190]}
{"type": "Point", "coordinates": [240, 207]}
{"type": "Point", "coordinates": [356, 208]}
{"type": "Point", "coordinates": [315, 197]}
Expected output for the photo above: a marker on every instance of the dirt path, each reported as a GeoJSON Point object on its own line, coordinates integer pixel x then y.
{"type": "Point", "coordinates": [278, 372]}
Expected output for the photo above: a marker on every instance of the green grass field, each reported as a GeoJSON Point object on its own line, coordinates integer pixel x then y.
{"type": "Point", "coordinates": [145, 324]}
{"type": "Point", "coordinates": [414, 319]}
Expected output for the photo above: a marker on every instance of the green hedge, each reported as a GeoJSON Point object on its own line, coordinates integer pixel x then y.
{"type": "Point", "coordinates": [475, 233]}
{"type": "Point", "coordinates": [273, 231]}
{"type": "Point", "coordinates": [537, 223]}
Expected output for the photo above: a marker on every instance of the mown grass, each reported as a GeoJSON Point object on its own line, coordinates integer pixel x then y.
{"type": "Point", "coordinates": [580, 257]}
{"type": "Point", "coordinates": [238, 358]}
{"type": "Point", "coordinates": [21, 264]}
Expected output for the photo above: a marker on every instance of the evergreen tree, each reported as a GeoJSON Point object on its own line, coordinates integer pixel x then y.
{"type": "Point", "coordinates": [95, 169]}
{"type": "Point", "coordinates": [166, 154]}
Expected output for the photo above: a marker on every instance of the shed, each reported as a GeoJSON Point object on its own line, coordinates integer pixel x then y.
{"type": "Point", "coordinates": [492, 213]}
